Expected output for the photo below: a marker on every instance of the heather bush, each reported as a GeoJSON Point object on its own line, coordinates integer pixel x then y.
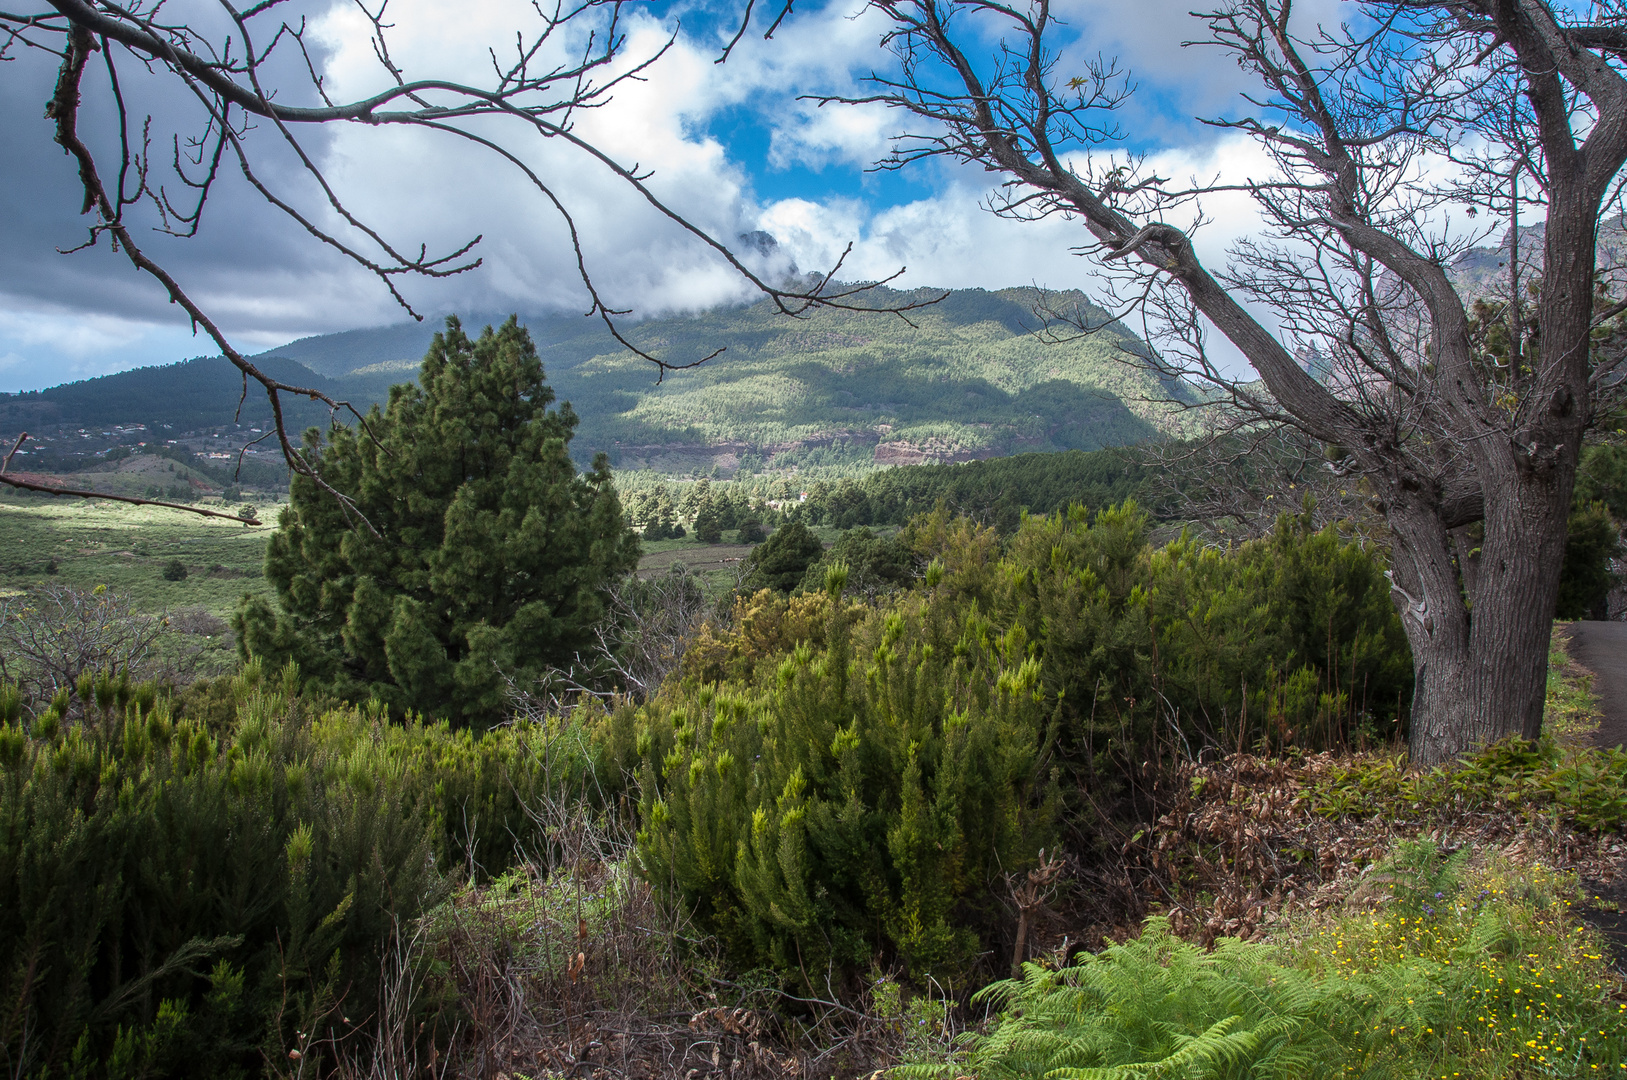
{"type": "Point", "coordinates": [183, 901]}
{"type": "Point", "coordinates": [862, 797]}
{"type": "Point", "coordinates": [829, 781]}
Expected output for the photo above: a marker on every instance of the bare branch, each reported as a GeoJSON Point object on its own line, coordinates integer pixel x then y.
{"type": "Point", "coordinates": [86, 493]}
{"type": "Point", "coordinates": [225, 74]}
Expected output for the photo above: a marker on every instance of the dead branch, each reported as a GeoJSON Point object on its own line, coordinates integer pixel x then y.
{"type": "Point", "coordinates": [227, 74]}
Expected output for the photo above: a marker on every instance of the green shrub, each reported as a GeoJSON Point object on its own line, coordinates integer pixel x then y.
{"type": "Point", "coordinates": [663, 528]}
{"type": "Point", "coordinates": [1287, 640]}
{"type": "Point", "coordinates": [1585, 786]}
{"type": "Point", "coordinates": [863, 798]}
{"type": "Point", "coordinates": [1592, 543]}
{"type": "Point", "coordinates": [779, 562]}
{"type": "Point", "coordinates": [875, 564]}
{"type": "Point", "coordinates": [1156, 1006]}
{"type": "Point", "coordinates": [708, 526]}
{"type": "Point", "coordinates": [831, 782]}
{"type": "Point", "coordinates": [174, 570]}
{"type": "Point", "coordinates": [181, 900]}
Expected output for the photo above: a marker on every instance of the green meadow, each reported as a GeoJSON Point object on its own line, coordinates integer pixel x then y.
{"type": "Point", "coordinates": [92, 542]}
{"type": "Point", "coordinates": [126, 548]}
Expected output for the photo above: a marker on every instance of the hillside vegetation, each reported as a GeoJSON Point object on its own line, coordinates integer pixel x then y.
{"type": "Point", "coordinates": [965, 378]}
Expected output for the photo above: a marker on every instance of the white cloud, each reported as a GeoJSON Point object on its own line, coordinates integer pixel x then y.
{"type": "Point", "coordinates": [44, 346]}
{"type": "Point", "coordinates": [68, 333]}
{"type": "Point", "coordinates": [267, 281]}
{"type": "Point", "coordinates": [952, 239]}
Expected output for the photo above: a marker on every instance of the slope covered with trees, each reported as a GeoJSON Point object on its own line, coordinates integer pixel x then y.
{"type": "Point", "coordinates": [970, 378]}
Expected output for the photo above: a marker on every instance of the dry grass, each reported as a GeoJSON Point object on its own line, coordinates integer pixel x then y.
{"type": "Point", "coordinates": [1247, 844]}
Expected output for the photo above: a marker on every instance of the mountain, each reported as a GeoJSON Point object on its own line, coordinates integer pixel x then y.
{"type": "Point", "coordinates": [965, 378]}
{"type": "Point", "coordinates": [1482, 272]}
{"type": "Point", "coordinates": [193, 394]}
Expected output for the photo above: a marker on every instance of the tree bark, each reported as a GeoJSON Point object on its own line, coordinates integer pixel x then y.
{"type": "Point", "coordinates": [1480, 655]}
{"type": "Point", "coordinates": [1480, 666]}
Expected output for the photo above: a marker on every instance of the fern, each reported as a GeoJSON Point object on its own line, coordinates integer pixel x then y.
{"type": "Point", "coordinates": [1458, 973]}
{"type": "Point", "coordinates": [1158, 1007]}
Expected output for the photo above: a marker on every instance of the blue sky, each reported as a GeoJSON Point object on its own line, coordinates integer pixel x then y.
{"type": "Point", "coordinates": [730, 146]}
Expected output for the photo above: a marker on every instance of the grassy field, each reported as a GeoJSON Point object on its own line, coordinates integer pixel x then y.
{"type": "Point", "coordinates": [126, 548]}
{"type": "Point", "coordinates": [719, 566]}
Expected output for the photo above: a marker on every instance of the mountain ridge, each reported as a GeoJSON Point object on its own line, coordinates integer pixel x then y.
{"type": "Point", "coordinates": [965, 378]}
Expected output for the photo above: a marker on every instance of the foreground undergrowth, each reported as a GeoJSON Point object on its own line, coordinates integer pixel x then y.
{"type": "Point", "coordinates": [839, 818]}
{"type": "Point", "coordinates": [1445, 968]}
{"type": "Point", "coordinates": [1345, 916]}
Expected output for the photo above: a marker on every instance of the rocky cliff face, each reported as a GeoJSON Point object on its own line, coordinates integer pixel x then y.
{"type": "Point", "coordinates": [1483, 271]}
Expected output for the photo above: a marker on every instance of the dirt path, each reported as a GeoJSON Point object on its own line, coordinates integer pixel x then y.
{"type": "Point", "coordinates": [1601, 647]}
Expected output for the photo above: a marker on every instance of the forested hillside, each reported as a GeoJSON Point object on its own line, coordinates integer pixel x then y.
{"type": "Point", "coordinates": [201, 393]}
{"type": "Point", "coordinates": [965, 378]}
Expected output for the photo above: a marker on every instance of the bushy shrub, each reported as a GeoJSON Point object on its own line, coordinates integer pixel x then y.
{"type": "Point", "coordinates": [1287, 640]}
{"type": "Point", "coordinates": [53, 636]}
{"type": "Point", "coordinates": [708, 526]}
{"type": "Point", "coordinates": [181, 901]}
{"type": "Point", "coordinates": [779, 562]}
{"type": "Point", "coordinates": [663, 528]}
{"type": "Point", "coordinates": [863, 798]}
{"type": "Point", "coordinates": [1592, 544]}
{"type": "Point", "coordinates": [175, 570]}
{"type": "Point", "coordinates": [762, 626]}
{"type": "Point", "coordinates": [816, 747]}
{"type": "Point", "coordinates": [875, 564]}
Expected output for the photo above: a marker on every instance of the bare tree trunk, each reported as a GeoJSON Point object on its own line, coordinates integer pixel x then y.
{"type": "Point", "coordinates": [1480, 634]}
{"type": "Point", "coordinates": [1480, 666]}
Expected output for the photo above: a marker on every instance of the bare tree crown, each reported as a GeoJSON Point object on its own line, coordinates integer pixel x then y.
{"type": "Point", "coordinates": [1383, 133]}
{"type": "Point", "coordinates": [234, 65]}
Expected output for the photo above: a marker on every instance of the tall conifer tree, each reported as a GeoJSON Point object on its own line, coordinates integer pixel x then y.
{"type": "Point", "coordinates": [491, 551]}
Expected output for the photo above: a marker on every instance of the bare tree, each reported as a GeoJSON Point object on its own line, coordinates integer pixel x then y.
{"type": "Point", "coordinates": [55, 634]}
{"type": "Point", "coordinates": [232, 66]}
{"type": "Point", "coordinates": [647, 627]}
{"type": "Point", "coordinates": [1236, 484]}
{"type": "Point", "coordinates": [1379, 130]}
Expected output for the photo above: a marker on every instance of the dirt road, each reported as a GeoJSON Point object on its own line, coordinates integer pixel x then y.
{"type": "Point", "coordinates": [1601, 647]}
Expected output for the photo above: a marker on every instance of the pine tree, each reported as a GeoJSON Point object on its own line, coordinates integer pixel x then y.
{"type": "Point", "coordinates": [708, 529]}
{"type": "Point", "coordinates": [490, 555]}
{"type": "Point", "coordinates": [780, 561]}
